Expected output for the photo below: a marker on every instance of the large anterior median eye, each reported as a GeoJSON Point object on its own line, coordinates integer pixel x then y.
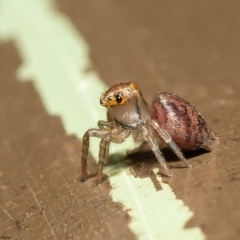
{"type": "Point", "coordinates": [118, 97]}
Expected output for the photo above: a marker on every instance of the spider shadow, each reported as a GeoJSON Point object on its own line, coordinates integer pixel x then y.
{"type": "Point", "coordinates": [116, 163]}
{"type": "Point", "coordinates": [141, 163]}
{"type": "Point", "coordinates": [148, 158]}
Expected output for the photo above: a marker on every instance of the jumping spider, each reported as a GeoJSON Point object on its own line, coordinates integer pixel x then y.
{"type": "Point", "coordinates": [170, 119]}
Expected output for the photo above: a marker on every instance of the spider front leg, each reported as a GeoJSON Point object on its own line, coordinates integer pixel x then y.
{"type": "Point", "coordinates": [103, 157]}
{"type": "Point", "coordinates": [100, 133]}
{"type": "Point", "coordinates": [116, 135]}
{"type": "Point", "coordinates": [147, 135]}
{"type": "Point", "coordinates": [167, 139]}
{"type": "Point", "coordinates": [104, 125]}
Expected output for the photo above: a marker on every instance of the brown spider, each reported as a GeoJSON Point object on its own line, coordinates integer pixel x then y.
{"type": "Point", "coordinates": [170, 119]}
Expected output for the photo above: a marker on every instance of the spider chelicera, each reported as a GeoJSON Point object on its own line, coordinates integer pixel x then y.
{"type": "Point", "coordinates": [169, 118]}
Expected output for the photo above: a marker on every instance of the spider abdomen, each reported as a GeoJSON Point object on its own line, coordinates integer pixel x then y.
{"type": "Point", "coordinates": [181, 120]}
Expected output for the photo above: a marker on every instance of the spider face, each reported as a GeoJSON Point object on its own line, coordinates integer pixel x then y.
{"type": "Point", "coordinates": [125, 105]}
{"type": "Point", "coordinates": [119, 94]}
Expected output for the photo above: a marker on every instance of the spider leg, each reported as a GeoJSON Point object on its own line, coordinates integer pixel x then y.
{"type": "Point", "coordinates": [103, 157]}
{"type": "Point", "coordinates": [147, 135]}
{"type": "Point", "coordinates": [137, 138]}
{"type": "Point", "coordinates": [212, 143]}
{"type": "Point", "coordinates": [107, 136]}
{"type": "Point", "coordinates": [167, 139]}
{"type": "Point", "coordinates": [85, 147]}
{"type": "Point", "coordinates": [107, 152]}
{"type": "Point", "coordinates": [105, 125]}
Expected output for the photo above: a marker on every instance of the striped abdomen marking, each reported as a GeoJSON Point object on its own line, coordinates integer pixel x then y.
{"type": "Point", "coordinates": [181, 120]}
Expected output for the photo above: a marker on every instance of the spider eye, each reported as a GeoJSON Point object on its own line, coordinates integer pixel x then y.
{"type": "Point", "coordinates": [118, 98]}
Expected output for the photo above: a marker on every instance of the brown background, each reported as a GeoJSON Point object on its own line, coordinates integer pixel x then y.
{"type": "Point", "coordinates": [191, 48]}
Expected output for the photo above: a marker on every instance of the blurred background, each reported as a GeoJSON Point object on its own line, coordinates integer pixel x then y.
{"type": "Point", "coordinates": [56, 57]}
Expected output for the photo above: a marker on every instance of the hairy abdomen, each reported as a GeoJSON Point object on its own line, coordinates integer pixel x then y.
{"type": "Point", "coordinates": [181, 120]}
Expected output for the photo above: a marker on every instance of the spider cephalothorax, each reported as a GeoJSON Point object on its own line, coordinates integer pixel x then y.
{"type": "Point", "coordinates": [170, 119]}
{"type": "Point", "coordinates": [119, 94]}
